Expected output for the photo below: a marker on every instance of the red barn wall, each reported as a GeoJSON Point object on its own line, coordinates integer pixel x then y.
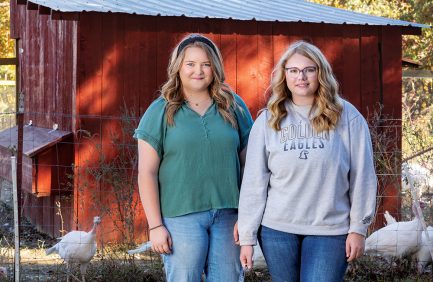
{"type": "Point", "coordinates": [47, 76]}
{"type": "Point", "coordinates": [46, 66]}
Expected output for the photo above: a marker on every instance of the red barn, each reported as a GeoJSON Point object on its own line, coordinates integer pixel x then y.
{"type": "Point", "coordinates": [80, 62]}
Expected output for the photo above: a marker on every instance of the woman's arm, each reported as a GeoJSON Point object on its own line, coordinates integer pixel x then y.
{"type": "Point", "coordinates": [242, 158]}
{"type": "Point", "coordinates": [362, 177]}
{"type": "Point", "coordinates": [363, 187]}
{"type": "Point", "coordinates": [148, 166]}
{"type": "Point", "coordinates": [254, 188]}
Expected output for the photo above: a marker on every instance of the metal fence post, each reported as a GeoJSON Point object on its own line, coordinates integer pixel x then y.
{"type": "Point", "coordinates": [16, 220]}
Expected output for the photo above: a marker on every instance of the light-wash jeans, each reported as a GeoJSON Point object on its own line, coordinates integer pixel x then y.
{"type": "Point", "coordinates": [203, 241]}
{"type": "Point", "coordinates": [305, 258]}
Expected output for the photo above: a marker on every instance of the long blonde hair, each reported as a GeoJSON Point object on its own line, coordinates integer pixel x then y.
{"type": "Point", "coordinates": [219, 91]}
{"type": "Point", "coordinates": [326, 107]}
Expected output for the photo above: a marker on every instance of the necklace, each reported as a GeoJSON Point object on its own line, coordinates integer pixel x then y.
{"type": "Point", "coordinates": [197, 103]}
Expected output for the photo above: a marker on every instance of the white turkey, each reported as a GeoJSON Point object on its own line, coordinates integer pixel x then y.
{"type": "Point", "coordinates": [423, 256]}
{"type": "Point", "coordinates": [77, 247]}
{"type": "Point", "coordinates": [397, 239]}
{"type": "Point", "coordinates": [389, 218]}
{"type": "Point", "coordinates": [3, 273]}
{"type": "Point", "coordinates": [422, 180]}
{"type": "Point", "coordinates": [258, 258]}
{"type": "Point", "coordinates": [142, 248]}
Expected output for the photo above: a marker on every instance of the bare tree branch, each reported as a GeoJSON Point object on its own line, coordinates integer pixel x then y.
{"type": "Point", "coordinates": [418, 154]}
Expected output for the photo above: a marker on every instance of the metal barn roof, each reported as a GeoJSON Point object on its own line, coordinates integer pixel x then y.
{"type": "Point", "coordinates": [35, 139]}
{"type": "Point", "coordinates": [260, 10]}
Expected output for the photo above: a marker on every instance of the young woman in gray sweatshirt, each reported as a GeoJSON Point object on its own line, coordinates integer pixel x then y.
{"type": "Point", "coordinates": [309, 187]}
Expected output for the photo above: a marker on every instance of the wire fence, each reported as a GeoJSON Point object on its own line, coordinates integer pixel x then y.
{"type": "Point", "coordinates": [69, 178]}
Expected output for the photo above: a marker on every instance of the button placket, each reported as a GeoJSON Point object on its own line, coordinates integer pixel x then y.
{"type": "Point", "coordinates": [205, 128]}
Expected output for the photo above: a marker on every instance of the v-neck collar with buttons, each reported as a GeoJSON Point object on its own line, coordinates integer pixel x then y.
{"type": "Point", "coordinates": [208, 110]}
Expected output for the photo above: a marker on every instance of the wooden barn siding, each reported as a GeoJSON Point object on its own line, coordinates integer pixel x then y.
{"type": "Point", "coordinates": [47, 82]}
{"type": "Point", "coordinates": [46, 66]}
{"type": "Point", "coordinates": [123, 59]}
{"type": "Point", "coordinates": [102, 88]}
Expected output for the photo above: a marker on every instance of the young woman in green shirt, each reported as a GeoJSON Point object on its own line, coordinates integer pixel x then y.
{"type": "Point", "coordinates": [191, 143]}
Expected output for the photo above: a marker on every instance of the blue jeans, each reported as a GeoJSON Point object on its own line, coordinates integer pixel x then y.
{"type": "Point", "coordinates": [203, 241]}
{"type": "Point", "coordinates": [292, 257]}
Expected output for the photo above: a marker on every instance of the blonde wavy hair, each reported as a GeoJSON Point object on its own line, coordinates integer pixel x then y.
{"type": "Point", "coordinates": [219, 91]}
{"type": "Point", "coordinates": [327, 105]}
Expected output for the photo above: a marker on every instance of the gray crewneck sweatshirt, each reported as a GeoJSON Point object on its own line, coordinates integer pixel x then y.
{"type": "Point", "coordinates": [301, 182]}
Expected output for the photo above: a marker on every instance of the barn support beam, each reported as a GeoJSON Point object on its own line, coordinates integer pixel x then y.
{"type": "Point", "coordinates": [32, 6]}
{"type": "Point", "coordinates": [44, 10]}
{"type": "Point", "coordinates": [8, 61]}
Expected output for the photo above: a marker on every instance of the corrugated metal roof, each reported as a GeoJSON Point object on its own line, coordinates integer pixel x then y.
{"type": "Point", "coordinates": [260, 10]}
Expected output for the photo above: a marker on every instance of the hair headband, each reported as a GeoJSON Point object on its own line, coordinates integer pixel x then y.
{"type": "Point", "coordinates": [195, 38]}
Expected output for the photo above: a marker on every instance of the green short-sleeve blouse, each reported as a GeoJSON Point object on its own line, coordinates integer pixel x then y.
{"type": "Point", "coordinates": [199, 167]}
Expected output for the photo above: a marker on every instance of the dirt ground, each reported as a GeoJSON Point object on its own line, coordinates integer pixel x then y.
{"type": "Point", "coordinates": [116, 265]}
{"type": "Point", "coordinates": [32, 245]}
{"type": "Point", "coordinates": [35, 265]}
{"type": "Point", "coordinates": [29, 237]}
{"type": "Point", "coordinates": [108, 266]}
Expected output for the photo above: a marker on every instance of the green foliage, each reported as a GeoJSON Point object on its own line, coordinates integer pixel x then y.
{"type": "Point", "coordinates": [419, 48]}
{"type": "Point", "coordinates": [7, 73]}
{"type": "Point", "coordinates": [7, 46]}
{"type": "Point", "coordinates": [385, 8]}
{"type": "Point", "coordinates": [113, 175]}
{"type": "Point", "coordinates": [417, 119]}
{"type": "Point", "coordinates": [7, 97]}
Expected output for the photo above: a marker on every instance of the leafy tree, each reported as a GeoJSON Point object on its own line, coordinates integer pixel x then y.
{"type": "Point", "coordinates": [419, 48]}
{"type": "Point", "coordinates": [417, 93]}
{"type": "Point", "coordinates": [418, 120]}
{"type": "Point", "coordinates": [7, 46]}
{"type": "Point", "coordinates": [7, 50]}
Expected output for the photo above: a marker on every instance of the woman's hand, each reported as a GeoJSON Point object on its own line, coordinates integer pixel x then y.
{"type": "Point", "coordinates": [161, 240]}
{"type": "Point", "coordinates": [236, 233]}
{"type": "Point", "coordinates": [246, 257]}
{"type": "Point", "coordinates": [355, 244]}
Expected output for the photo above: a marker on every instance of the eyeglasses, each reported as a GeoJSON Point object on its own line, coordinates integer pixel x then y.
{"type": "Point", "coordinates": [294, 72]}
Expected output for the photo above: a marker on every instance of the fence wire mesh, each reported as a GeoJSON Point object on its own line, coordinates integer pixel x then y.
{"type": "Point", "coordinates": [66, 182]}
{"type": "Point", "coordinates": [68, 178]}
